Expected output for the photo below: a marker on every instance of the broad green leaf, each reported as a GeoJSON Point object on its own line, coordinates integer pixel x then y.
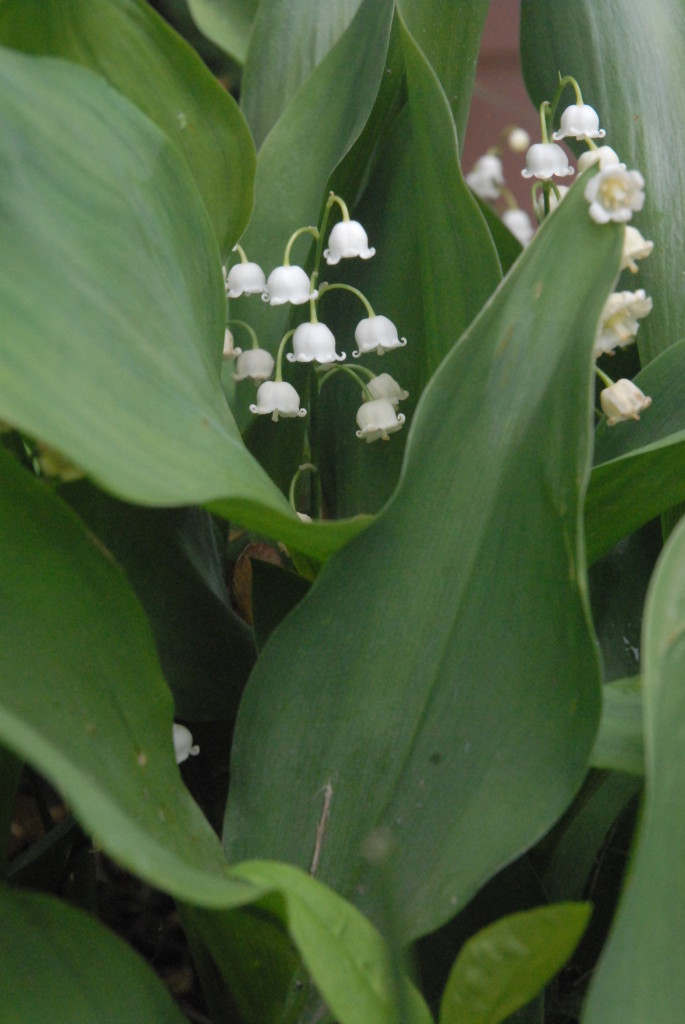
{"type": "Point", "coordinates": [346, 956]}
{"type": "Point", "coordinates": [448, 33]}
{"type": "Point", "coordinates": [639, 976]}
{"type": "Point", "coordinates": [289, 39]}
{"type": "Point", "coordinates": [433, 653]}
{"type": "Point", "coordinates": [59, 964]}
{"type": "Point", "coordinates": [171, 559]}
{"type": "Point", "coordinates": [459, 263]}
{"type": "Point", "coordinates": [638, 470]}
{"type": "Point", "coordinates": [115, 359]}
{"type": "Point", "coordinates": [82, 697]}
{"type": "Point", "coordinates": [611, 48]}
{"type": "Point", "coordinates": [620, 743]}
{"type": "Point", "coordinates": [505, 965]}
{"type": "Point", "coordinates": [131, 46]}
{"type": "Point", "coordinates": [228, 23]}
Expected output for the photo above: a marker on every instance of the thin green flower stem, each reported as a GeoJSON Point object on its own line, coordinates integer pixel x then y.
{"type": "Point", "coordinates": [248, 328]}
{"type": "Point", "coordinates": [313, 318]}
{"type": "Point", "coordinates": [348, 288]}
{"type": "Point", "coordinates": [278, 376]}
{"type": "Point", "coordinates": [604, 377]}
{"type": "Point", "coordinates": [303, 468]}
{"type": "Point", "coordinates": [311, 445]}
{"type": "Point", "coordinates": [341, 203]}
{"type": "Point", "coordinates": [332, 198]}
{"type": "Point", "coordinates": [563, 82]}
{"type": "Point", "coordinates": [570, 80]}
{"type": "Point", "coordinates": [544, 107]}
{"type": "Point", "coordinates": [354, 373]}
{"type": "Point", "coordinates": [241, 252]}
{"type": "Point", "coordinates": [293, 238]}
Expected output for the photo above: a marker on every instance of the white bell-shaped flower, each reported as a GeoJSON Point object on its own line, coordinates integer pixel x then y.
{"type": "Point", "coordinates": [635, 247]}
{"type": "Point", "coordinates": [545, 160]}
{"type": "Point", "coordinates": [614, 194]}
{"type": "Point", "coordinates": [255, 363]}
{"type": "Point", "coordinates": [623, 401]}
{"type": "Point", "coordinates": [288, 284]}
{"type": "Point", "coordinates": [486, 177]}
{"type": "Point", "coordinates": [579, 121]}
{"type": "Point", "coordinates": [605, 156]}
{"type": "Point", "coordinates": [230, 351]}
{"type": "Point", "coordinates": [377, 419]}
{"type": "Point", "coordinates": [385, 386]}
{"type": "Point", "coordinates": [245, 279]}
{"type": "Point", "coordinates": [277, 398]}
{"type": "Point", "coordinates": [314, 343]}
{"type": "Point", "coordinates": [618, 323]}
{"type": "Point", "coordinates": [376, 334]}
{"type": "Point", "coordinates": [183, 743]}
{"type": "Point", "coordinates": [346, 240]}
{"type": "Point", "coordinates": [520, 225]}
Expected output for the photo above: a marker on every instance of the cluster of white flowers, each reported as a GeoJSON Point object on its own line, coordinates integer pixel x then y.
{"type": "Point", "coordinates": [313, 341]}
{"type": "Point", "coordinates": [614, 193]}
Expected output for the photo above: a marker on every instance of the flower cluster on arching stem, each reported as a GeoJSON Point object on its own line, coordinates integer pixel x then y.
{"type": "Point", "coordinates": [613, 193]}
{"type": "Point", "coordinates": [312, 341]}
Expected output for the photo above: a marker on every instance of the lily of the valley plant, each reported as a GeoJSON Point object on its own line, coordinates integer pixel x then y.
{"type": "Point", "coordinates": [368, 733]}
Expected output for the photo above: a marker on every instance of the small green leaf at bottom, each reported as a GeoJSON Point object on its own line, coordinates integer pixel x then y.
{"type": "Point", "coordinates": [505, 965]}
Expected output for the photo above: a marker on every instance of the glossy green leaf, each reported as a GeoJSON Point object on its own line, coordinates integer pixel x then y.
{"type": "Point", "coordinates": [505, 965]}
{"type": "Point", "coordinates": [346, 956]}
{"type": "Point", "coordinates": [289, 39]}
{"type": "Point", "coordinates": [82, 697]}
{"type": "Point", "coordinates": [611, 48]}
{"type": "Point", "coordinates": [171, 559]}
{"type": "Point", "coordinates": [639, 976]}
{"type": "Point", "coordinates": [59, 964]}
{"type": "Point", "coordinates": [114, 359]}
{"type": "Point", "coordinates": [412, 675]}
{"type": "Point", "coordinates": [620, 743]}
{"type": "Point", "coordinates": [459, 263]}
{"type": "Point", "coordinates": [132, 47]}
{"type": "Point", "coordinates": [228, 23]}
